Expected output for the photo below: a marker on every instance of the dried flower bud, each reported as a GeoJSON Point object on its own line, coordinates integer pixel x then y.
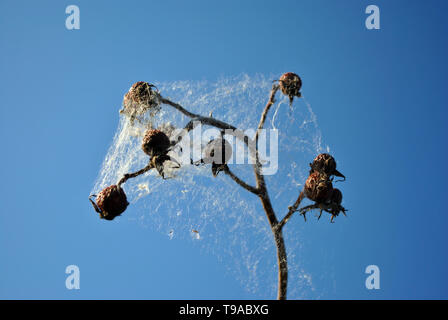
{"type": "Point", "coordinates": [217, 151]}
{"type": "Point", "coordinates": [290, 84]}
{"type": "Point", "coordinates": [111, 202]}
{"type": "Point", "coordinates": [325, 163]}
{"type": "Point", "coordinates": [318, 187]}
{"type": "Point", "coordinates": [155, 142]}
{"type": "Point", "coordinates": [139, 99]}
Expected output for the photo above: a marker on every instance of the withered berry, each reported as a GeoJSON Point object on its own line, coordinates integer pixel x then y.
{"type": "Point", "coordinates": [217, 152]}
{"type": "Point", "coordinates": [139, 99]}
{"type": "Point", "coordinates": [155, 142]}
{"type": "Point", "coordinates": [325, 163]}
{"type": "Point", "coordinates": [290, 84]}
{"type": "Point", "coordinates": [336, 196]}
{"type": "Point", "coordinates": [318, 187]}
{"type": "Point", "coordinates": [111, 202]}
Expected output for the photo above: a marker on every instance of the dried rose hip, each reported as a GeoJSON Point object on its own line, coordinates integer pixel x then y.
{"type": "Point", "coordinates": [325, 163]}
{"type": "Point", "coordinates": [290, 84]}
{"type": "Point", "coordinates": [110, 202]}
{"type": "Point", "coordinates": [336, 196]}
{"type": "Point", "coordinates": [139, 99]}
{"type": "Point", "coordinates": [155, 143]}
{"type": "Point", "coordinates": [217, 151]}
{"type": "Point", "coordinates": [318, 187]}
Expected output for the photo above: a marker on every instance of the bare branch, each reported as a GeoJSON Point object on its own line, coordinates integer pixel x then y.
{"type": "Point", "coordinates": [178, 107]}
{"type": "Point", "coordinates": [268, 106]}
{"type": "Point", "coordinates": [231, 130]}
{"type": "Point", "coordinates": [282, 264]}
{"type": "Point", "coordinates": [128, 176]}
{"type": "Point", "coordinates": [269, 210]}
{"type": "Point", "coordinates": [292, 209]}
{"type": "Point", "coordinates": [205, 120]}
{"type": "Point", "coordinates": [241, 182]}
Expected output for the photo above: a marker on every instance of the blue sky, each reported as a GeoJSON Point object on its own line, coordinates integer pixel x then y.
{"type": "Point", "coordinates": [380, 99]}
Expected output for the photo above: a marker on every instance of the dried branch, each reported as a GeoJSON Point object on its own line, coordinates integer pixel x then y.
{"type": "Point", "coordinates": [128, 176]}
{"type": "Point", "coordinates": [269, 210]}
{"type": "Point", "coordinates": [240, 182]}
{"type": "Point", "coordinates": [195, 119]}
{"type": "Point", "coordinates": [292, 209]}
{"type": "Point", "coordinates": [271, 101]}
{"type": "Point", "coordinates": [205, 120]}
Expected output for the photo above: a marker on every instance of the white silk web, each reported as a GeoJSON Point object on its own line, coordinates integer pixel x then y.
{"type": "Point", "coordinates": [216, 213]}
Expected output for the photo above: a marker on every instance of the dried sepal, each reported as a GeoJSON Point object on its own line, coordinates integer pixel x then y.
{"type": "Point", "coordinates": [159, 162]}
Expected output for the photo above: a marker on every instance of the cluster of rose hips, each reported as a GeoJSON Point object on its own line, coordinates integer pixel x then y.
{"type": "Point", "coordinates": [319, 186]}
{"type": "Point", "coordinates": [112, 202]}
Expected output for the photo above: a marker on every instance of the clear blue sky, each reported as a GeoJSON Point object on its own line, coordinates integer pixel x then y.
{"type": "Point", "coordinates": [380, 99]}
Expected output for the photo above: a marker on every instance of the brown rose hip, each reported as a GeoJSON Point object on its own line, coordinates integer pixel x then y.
{"type": "Point", "coordinates": [318, 187]}
{"type": "Point", "coordinates": [326, 164]}
{"type": "Point", "coordinates": [155, 142]}
{"type": "Point", "coordinates": [110, 202]}
{"type": "Point", "coordinates": [290, 84]}
{"type": "Point", "coordinates": [139, 99]}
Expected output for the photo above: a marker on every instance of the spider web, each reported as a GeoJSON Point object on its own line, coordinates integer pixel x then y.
{"type": "Point", "coordinates": [216, 213]}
